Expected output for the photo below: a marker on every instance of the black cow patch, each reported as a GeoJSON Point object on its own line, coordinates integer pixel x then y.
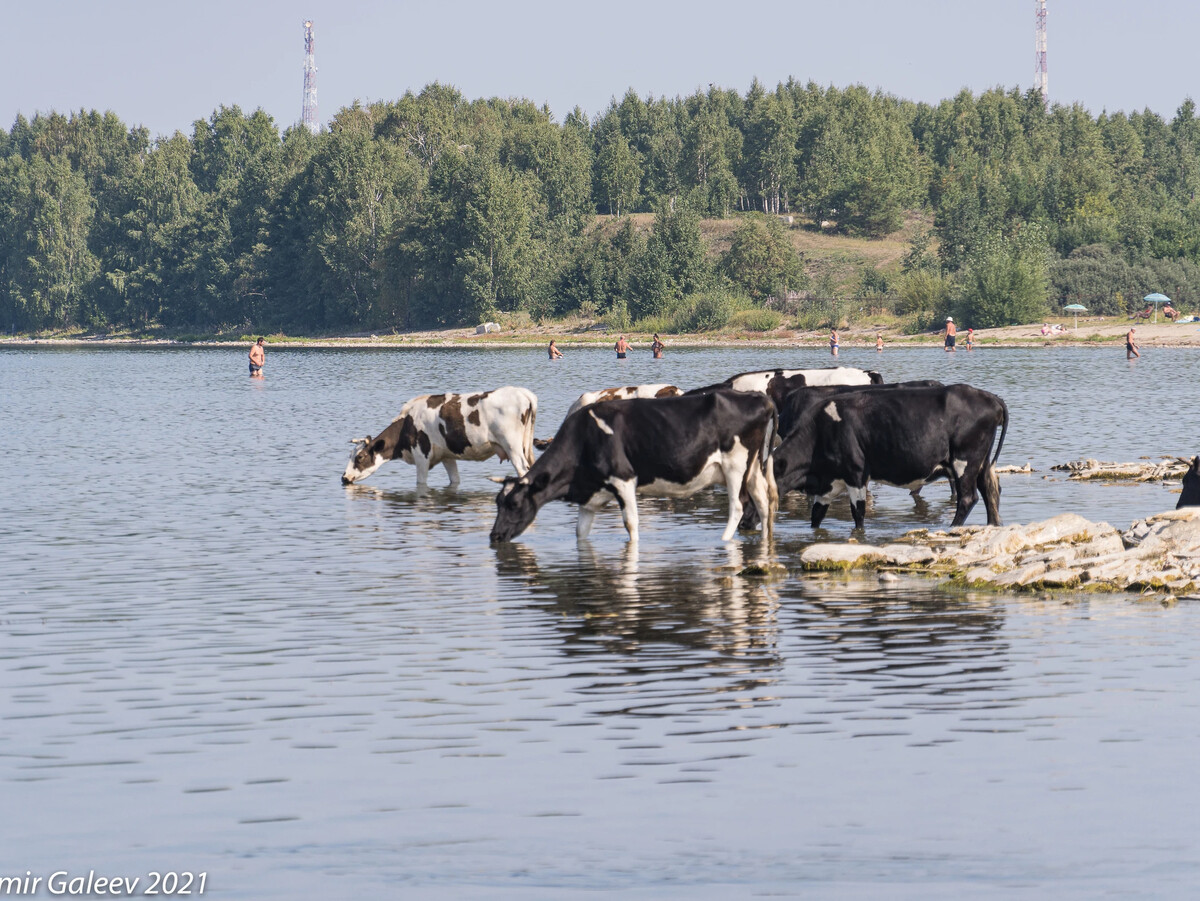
{"type": "Point", "coordinates": [474, 400]}
{"type": "Point", "coordinates": [473, 417]}
{"type": "Point", "coordinates": [435, 400]}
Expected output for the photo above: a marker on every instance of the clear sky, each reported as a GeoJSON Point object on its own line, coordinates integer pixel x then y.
{"type": "Point", "coordinates": [164, 64]}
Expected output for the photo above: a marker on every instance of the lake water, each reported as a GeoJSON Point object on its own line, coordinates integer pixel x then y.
{"type": "Point", "coordinates": [215, 658]}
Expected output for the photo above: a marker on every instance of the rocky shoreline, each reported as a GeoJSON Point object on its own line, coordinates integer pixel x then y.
{"type": "Point", "coordinates": [1159, 555]}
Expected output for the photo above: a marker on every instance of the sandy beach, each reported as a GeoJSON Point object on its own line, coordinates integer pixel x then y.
{"type": "Point", "coordinates": [1097, 331]}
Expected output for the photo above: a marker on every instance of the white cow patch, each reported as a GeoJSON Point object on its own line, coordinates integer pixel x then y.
{"type": "Point", "coordinates": [712, 473]}
{"type": "Point", "coordinates": [835, 490]}
{"type": "Point", "coordinates": [960, 466]}
{"type": "Point", "coordinates": [604, 426]}
{"type": "Point", "coordinates": [832, 412]}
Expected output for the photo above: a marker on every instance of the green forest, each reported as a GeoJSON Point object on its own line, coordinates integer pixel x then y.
{"type": "Point", "coordinates": [434, 211]}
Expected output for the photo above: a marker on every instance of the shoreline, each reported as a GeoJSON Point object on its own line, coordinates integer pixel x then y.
{"type": "Point", "coordinates": [1104, 334]}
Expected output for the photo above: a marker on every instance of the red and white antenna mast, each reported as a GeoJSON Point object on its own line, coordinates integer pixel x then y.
{"type": "Point", "coordinates": [1040, 75]}
{"type": "Point", "coordinates": [308, 117]}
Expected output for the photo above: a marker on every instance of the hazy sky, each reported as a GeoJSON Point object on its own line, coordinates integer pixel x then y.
{"type": "Point", "coordinates": [164, 64]}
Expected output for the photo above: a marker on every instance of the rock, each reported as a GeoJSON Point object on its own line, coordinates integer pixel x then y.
{"type": "Point", "coordinates": [764, 571]}
{"type": "Point", "coordinates": [1023, 576]}
{"type": "Point", "coordinates": [1158, 554]}
{"type": "Point", "coordinates": [841, 556]}
{"type": "Point", "coordinates": [888, 577]}
{"type": "Point", "coordinates": [487, 328]}
{"type": "Point", "coordinates": [1058, 578]}
{"type": "Point", "coordinates": [1167, 468]}
{"type": "Point", "coordinates": [907, 554]}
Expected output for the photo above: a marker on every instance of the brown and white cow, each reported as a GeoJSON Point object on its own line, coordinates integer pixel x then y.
{"type": "Point", "coordinates": [625, 393]}
{"type": "Point", "coordinates": [446, 428]}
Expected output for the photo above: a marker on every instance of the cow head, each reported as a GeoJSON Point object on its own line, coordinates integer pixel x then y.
{"type": "Point", "coordinates": [1191, 486]}
{"type": "Point", "coordinates": [516, 505]}
{"type": "Point", "coordinates": [366, 457]}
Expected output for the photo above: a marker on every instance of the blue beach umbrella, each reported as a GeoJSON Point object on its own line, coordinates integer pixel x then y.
{"type": "Point", "coordinates": [1075, 308]}
{"type": "Point", "coordinates": [1156, 299]}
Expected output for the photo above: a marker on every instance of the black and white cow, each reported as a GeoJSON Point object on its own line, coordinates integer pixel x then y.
{"type": "Point", "coordinates": [446, 428]}
{"type": "Point", "coordinates": [901, 436]}
{"type": "Point", "coordinates": [777, 384]}
{"type": "Point", "coordinates": [625, 393]}
{"type": "Point", "coordinates": [791, 408]}
{"type": "Point", "coordinates": [668, 447]}
{"type": "Point", "coordinates": [1191, 486]}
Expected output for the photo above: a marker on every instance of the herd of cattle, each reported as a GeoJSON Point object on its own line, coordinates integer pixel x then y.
{"type": "Point", "coordinates": [820, 431]}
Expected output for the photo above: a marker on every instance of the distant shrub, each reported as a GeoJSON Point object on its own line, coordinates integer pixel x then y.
{"type": "Point", "coordinates": [516, 320]}
{"type": "Point", "coordinates": [618, 316]}
{"type": "Point", "coordinates": [756, 320]}
{"type": "Point", "coordinates": [652, 325]}
{"type": "Point", "coordinates": [706, 312]}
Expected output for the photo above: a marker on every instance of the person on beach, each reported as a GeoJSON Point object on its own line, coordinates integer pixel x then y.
{"type": "Point", "coordinates": [879, 341]}
{"type": "Point", "coordinates": [258, 358]}
{"type": "Point", "coordinates": [657, 347]}
{"type": "Point", "coordinates": [1131, 348]}
{"type": "Point", "coordinates": [950, 331]}
{"type": "Point", "coordinates": [555, 353]}
{"type": "Point", "coordinates": [621, 347]}
{"type": "Point", "coordinates": [833, 341]}
{"type": "Point", "coordinates": [970, 339]}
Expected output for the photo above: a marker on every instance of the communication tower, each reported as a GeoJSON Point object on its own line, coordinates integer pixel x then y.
{"type": "Point", "coordinates": [308, 116]}
{"type": "Point", "coordinates": [1040, 75]}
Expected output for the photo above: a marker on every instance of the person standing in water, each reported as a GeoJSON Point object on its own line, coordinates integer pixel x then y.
{"type": "Point", "coordinates": [951, 331]}
{"type": "Point", "coordinates": [879, 341]}
{"type": "Point", "coordinates": [833, 341]}
{"type": "Point", "coordinates": [657, 347]}
{"type": "Point", "coordinates": [621, 347]}
{"type": "Point", "coordinates": [555, 353]}
{"type": "Point", "coordinates": [970, 339]}
{"type": "Point", "coordinates": [1131, 348]}
{"type": "Point", "coordinates": [258, 358]}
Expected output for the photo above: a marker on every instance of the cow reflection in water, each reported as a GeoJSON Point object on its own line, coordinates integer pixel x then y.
{"type": "Point", "coordinates": [674, 618]}
{"type": "Point", "coordinates": [923, 649]}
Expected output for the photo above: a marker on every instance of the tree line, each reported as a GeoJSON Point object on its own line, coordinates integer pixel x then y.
{"type": "Point", "coordinates": [436, 210]}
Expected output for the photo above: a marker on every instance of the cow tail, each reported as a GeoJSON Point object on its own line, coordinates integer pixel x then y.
{"type": "Point", "coordinates": [1003, 430]}
{"type": "Point", "coordinates": [529, 427]}
{"type": "Point", "coordinates": [768, 466]}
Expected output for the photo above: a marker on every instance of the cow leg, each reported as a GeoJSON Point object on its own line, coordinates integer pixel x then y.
{"type": "Point", "coordinates": [516, 456]}
{"type": "Point", "coordinates": [820, 503]}
{"type": "Point", "coordinates": [584, 526]}
{"type": "Point", "coordinates": [588, 511]}
{"type": "Point", "coordinates": [989, 487]}
{"type": "Point", "coordinates": [757, 487]}
{"type": "Point", "coordinates": [738, 488]}
{"type": "Point", "coordinates": [858, 505]}
{"type": "Point", "coordinates": [626, 493]}
{"type": "Point", "coordinates": [965, 475]}
{"type": "Point", "coordinates": [452, 470]}
{"type": "Point", "coordinates": [422, 463]}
